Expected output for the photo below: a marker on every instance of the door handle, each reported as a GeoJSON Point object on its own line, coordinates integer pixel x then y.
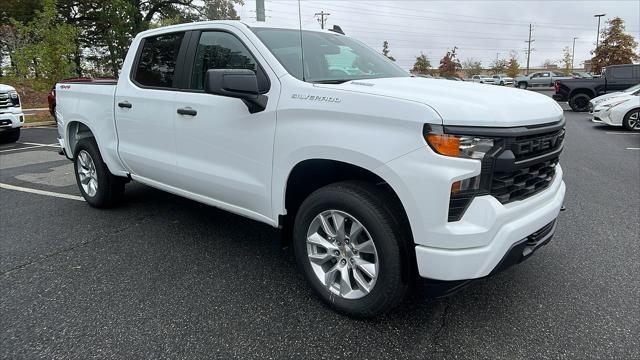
{"type": "Point", "coordinates": [187, 111]}
{"type": "Point", "coordinates": [125, 104]}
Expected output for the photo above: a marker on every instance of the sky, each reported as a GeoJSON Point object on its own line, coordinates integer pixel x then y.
{"type": "Point", "coordinates": [482, 30]}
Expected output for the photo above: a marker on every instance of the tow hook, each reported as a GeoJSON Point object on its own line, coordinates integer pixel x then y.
{"type": "Point", "coordinates": [563, 208]}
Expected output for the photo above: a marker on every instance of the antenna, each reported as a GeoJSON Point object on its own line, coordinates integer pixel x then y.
{"type": "Point", "coordinates": [301, 45]}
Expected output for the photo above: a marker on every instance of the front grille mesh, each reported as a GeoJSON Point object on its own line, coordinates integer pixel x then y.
{"type": "Point", "coordinates": [524, 182]}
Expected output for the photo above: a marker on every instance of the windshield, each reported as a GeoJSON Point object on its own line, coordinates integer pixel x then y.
{"type": "Point", "coordinates": [328, 58]}
{"type": "Point", "coordinates": [632, 89]}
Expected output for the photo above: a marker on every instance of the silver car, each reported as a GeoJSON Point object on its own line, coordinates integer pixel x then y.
{"type": "Point", "coordinates": [482, 79]}
{"type": "Point", "coordinates": [502, 80]}
{"type": "Point", "coordinates": [542, 79]}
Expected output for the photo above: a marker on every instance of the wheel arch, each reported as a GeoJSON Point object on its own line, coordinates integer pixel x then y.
{"type": "Point", "coordinates": [311, 174]}
{"type": "Point", "coordinates": [585, 91]}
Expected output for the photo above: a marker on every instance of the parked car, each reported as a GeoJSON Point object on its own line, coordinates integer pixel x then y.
{"type": "Point", "coordinates": [578, 92]}
{"type": "Point", "coordinates": [502, 80]}
{"type": "Point", "coordinates": [374, 178]}
{"type": "Point", "coordinates": [634, 90]}
{"type": "Point", "coordinates": [482, 79]}
{"type": "Point", "coordinates": [11, 115]}
{"type": "Point", "coordinates": [541, 79]}
{"type": "Point", "coordinates": [622, 110]}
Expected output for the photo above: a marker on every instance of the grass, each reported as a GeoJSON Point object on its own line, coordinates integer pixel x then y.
{"type": "Point", "coordinates": [40, 116]}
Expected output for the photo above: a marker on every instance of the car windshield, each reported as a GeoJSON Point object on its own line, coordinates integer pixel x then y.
{"type": "Point", "coordinates": [328, 58]}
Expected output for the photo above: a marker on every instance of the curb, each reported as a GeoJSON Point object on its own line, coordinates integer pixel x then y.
{"type": "Point", "coordinates": [37, 124]}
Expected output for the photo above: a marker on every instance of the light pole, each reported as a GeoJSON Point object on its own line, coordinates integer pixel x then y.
{"type": "Point", "coordinates": [573, 52]}
{"type": "Point", "coordinates": [598, 35]}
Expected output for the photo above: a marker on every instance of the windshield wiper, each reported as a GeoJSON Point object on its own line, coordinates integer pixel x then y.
{"type": "Point", "coordinates": [335, 81]}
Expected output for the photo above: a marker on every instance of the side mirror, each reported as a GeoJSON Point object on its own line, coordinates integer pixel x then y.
{"type": "Point", "coordinates": [236, 83]}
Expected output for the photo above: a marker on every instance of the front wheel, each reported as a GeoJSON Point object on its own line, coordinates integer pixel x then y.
{"type": "Point", "coordinates": [352, 249]}
{"type": "Point", "coordinates": [98, 186]}
{"type": "Point", "coordinates": [631, 120]}
{"type": "Point", "coordinates": [11, 136]}
{"type": "Point", "coordinates": [522, 85]}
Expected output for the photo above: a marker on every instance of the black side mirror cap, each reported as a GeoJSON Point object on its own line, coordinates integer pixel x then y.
{"type": "Point", "coordinates": [236, 83]}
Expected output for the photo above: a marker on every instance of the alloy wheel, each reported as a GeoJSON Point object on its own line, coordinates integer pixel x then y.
{"type": "Point", "coordinates": [87, 173]}
{"type": "Point", "coordinates": [342, 254]}
{"type": "Point", "coordinates": [634, 120]}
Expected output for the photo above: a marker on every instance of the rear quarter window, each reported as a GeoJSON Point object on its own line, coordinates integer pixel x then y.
{"type": "Point", "coordinates": [157, 60]}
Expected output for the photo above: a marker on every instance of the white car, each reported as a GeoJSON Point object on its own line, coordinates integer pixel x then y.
{"type": "Point", "coordinates": [374, 176]}
{"type": "Point", "coordinates": [482, 79]}
{"type": "Point", "coordinates": [502, 80]}
{"type": "Point", "coordinates": [11, 116]}
{"type": "Point", "coordinates": [634, 90]}
{"type": "Point", "coordinates": [621, 110]}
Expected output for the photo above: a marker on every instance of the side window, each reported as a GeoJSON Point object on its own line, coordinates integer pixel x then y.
{"type": "Point", "coordinates": [535, 75]}
{"type": "Point", "coordinates": [545, 74]}
{"type": "Point", "coordinates": [220, 50]}
{"type": "Point", "coordinates": [157, 62]}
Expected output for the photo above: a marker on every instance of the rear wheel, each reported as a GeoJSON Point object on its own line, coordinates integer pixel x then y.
{"type": "Point", "coordinates": [98, 186]}
{"type": "Point", "coordinates": [522, 85]}
{"type": "Point", "coordinates": [579, 102]}
{"type": "Point", "coordinates": [631, 120]}
{"type": "Point", "coordinates": [351, 249]}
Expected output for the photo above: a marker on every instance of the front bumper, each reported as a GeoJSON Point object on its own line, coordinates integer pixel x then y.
{"type": "Point", "coordinates": [474, 246]}
{"type": "Point", "coordinates": [11, 118]}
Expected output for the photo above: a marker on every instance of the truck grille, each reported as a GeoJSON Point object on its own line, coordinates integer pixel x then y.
{"type": "Point", "coordinates": [522, 183]}
{"type": "Point", "coordinates": [5, 101]}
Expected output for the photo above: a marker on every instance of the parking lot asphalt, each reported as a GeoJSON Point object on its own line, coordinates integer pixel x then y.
{"type": "Point", "coordinates": [164, 277]}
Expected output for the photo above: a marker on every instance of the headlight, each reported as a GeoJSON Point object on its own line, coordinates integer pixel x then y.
{"type": "Point", "coordinates": [469, 147]}
{"type": "Point", "coordinates": [14, 97]}
{"type": "Point", "coordinates": [614, 104]}
{"type": "Point", "coordinates": [460, 146]}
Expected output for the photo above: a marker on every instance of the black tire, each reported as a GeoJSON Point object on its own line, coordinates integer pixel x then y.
{"type": "Point", "coordinates": [522, 85]}
{"type": "Point", "coordinates": [632, 124]}
{"type": "Point", "coordinates": [373, 207]}
{"type": "Point", "coordinates": [579, 102]}
{"type": "Point", "coordinates": [10, 136]}
{"type": "Point", "coordinates": [501, 83]}
{"type": "Point", "coordinates": [110, 188]}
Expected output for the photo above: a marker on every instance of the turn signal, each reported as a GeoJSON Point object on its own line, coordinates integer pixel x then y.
{"type": "Point", "coordinates": [444, 144]}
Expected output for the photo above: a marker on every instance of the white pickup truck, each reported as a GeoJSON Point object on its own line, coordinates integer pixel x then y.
{"type": "Point", "coordinates": [11, 116]}
{"type": "Point", "coordinates": [374, 176]}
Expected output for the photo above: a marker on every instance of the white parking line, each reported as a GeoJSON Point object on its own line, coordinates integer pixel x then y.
{"type": "Point", "coordinates": [621, 133]}
{"type": "Point", "coordinates": [41, 192]}
{"type": "Point", "coordinates": [30, 147]}
{"type": "Point", "coordinates": [633, 148]}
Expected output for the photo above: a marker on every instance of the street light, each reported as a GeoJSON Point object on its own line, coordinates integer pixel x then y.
{"type": "Point", "coordinates": [598, 35]}
{"type": "Point", "coordinates": [573, 52]}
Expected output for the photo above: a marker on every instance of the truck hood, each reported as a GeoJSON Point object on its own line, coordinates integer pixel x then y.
{"type": "Point", "coordinates": [6, 88]}
{"type": "Point", "coordinates": [464, 103]}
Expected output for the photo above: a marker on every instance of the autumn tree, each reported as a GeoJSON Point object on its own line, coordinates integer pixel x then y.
{"type": "Point", "coordinates": [385, 50]}
{"type": "Point", "coordinates": [567, 60]}
{"type": "Point", "coordinates": [449, 64]}
{"type": "Point", "coordinates": [472, 67]}
{"type": "Point", "coordinates": [422, 65]}
{"type": "Point", "coordinates": [616, 46]}
{"type": "Point", "coordinates": [513, 66]}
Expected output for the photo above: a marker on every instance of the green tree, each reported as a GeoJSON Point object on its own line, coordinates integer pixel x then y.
{"type": "Point", "coordinates": [221, 9]}
{"type": "Point", "coordinates": [449, 64]}
{"type": "Point", "coordinates": [513, 66]}
{"type": "Point", "coordinates": [472, 67]}
{"type": "Point", "coordinates": [499, 66]}
{"type": "Point", "coordinates": [422, 65]}
{"type": "Point", "coordinates": [48, 46]}
{"type": "Point", "coordinates": [385, 50]}
{"type": "Point", "coordinates": [616, 47]}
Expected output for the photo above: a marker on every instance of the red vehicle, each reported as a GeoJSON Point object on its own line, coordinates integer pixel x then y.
{"type": "Point", "coordinates": [51, 97]}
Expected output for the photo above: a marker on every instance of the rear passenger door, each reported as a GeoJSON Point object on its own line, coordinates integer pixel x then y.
{"type": "Point", "coordinates": [224, 152]}
{"type": "Point", "coordinates": [619, 78]}
{"type": "Point", "coordinates": [144, 108]}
